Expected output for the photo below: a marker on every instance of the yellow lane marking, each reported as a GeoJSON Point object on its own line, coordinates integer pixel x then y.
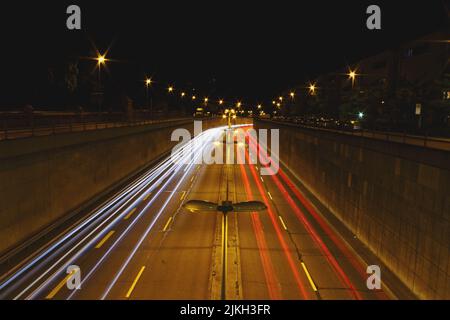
{"type": "Point", "coordinates": [309, 277]}
{"type": "Point", "coordinates": [256, 168]}
{"type": "Point", "coordinates": [183, 195]}
{"type": "Point", "coordinates": [282, 222]}
{"type": "Point", "coordinates": [224, 251]}
{"type": "Point", "coordinates": [98, 246]}
{"type": "Point", "coordinates": [270, 196]}
{"type": "Point", "coordinates": [192, 179]}
{"type": "Point", "coordinates": [129, 214]}
{"type": "Point", "coordinates": [147, 196]}
{"type": "Point", "coordinates": [130, 291]}
{"type": "Point", "coordinates": [167, 224]}
{"type": "Point", "coordinates": [59, 286]}
{"type": "Point", "coordinates": [262, 179]}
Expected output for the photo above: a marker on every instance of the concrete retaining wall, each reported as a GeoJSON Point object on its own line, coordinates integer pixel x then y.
{"type": "Point", "coordinates": [44, 178]}
{"type": "Point", "coordinates": [394, 197]}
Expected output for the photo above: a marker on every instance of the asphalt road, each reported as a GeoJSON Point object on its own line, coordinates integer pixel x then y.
{"type": "Point", "coordinates": [142, 243]}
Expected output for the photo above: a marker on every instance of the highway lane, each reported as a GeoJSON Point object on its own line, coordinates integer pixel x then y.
{"type": "Point", "coordinates": [158, 250]}
{"type": "Point", "coordinates": [47, 266]}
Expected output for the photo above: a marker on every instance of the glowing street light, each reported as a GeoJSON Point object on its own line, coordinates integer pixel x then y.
{"type": "Point", "coordinates": [206, 100]}
{"type": "Point", "coordinates": [101, 59]}
{"type": "Point", "coordinates": [238, 104]}
{"type": "Point", "coordinates": [352, 76]}
{"type": "Point", "coordinates": [221, 102]}
{"type": "Point", "coordinates": [183, 94]}
{"type": "Point", "coordinates": [194, 97]}
{"type": "Point", "coordinates": [170, 89]}
{"type": "Point", "coordinates": [361, 115]}
{"type": "Point", "coordinates": [148, 83]}
{"type": "Point", "coordinates": [280, 98]}
{"type": "Point", "coordinates": [230, 114]}
{"type": "Point", "coordinates": [312, 88]}
{"type": "Point", "coordinates": [292, 94]}
{"type": "Point", "coordinates": [259, 106]}
{"type": "Point", "coordinates": [273, 102]}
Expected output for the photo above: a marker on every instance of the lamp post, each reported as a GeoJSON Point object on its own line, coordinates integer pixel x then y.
{"type": "Point", "coordinates": [101, 60]}
{"type": "Point", "coordinates": [312, 89]}
{"type": "Point", "coordinates": [352, 76]}
{"type": "Point", "coordinates": [229, 114]}
{"type": "Point", "coordinates": [148, 83]}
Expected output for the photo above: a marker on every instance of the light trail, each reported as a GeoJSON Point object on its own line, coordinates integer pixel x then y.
{"type": "Point", "coordinates": [178, 168]}
{"type": "Point", "coordinates": [326, 252]}
{"type": "Point", "coordinates": [343, 247]}
{"type": "Point", "coordinates": [99, 213]}
{"type": "Point", "coordinates": [149, 228]}
{"type": "Point", "coordinates": [125, 197]}
{"type": "Point", "coordinates": [266, 262]}
{"type": "Point", "coordinates": [278, 231]}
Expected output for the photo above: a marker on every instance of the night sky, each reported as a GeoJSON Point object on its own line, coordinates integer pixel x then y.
{"type": "Point", "coordinates": [248, 51]}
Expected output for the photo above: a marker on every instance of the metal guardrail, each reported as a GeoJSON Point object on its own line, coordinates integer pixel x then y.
{"type": "Point", "coordinates": [16, 125]}
{"type": "Point", "coordinates": [421, 141]}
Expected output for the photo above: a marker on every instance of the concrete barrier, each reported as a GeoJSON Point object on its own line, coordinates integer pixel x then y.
{"type": "Point", "coordinates": [394, 197]}
{"type": "Point", "coordinates": [44, 178]}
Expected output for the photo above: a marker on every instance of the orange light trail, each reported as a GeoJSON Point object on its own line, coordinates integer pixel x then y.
{"type": "Point", "coordinates": [278, 231]}
{"type": "Point", "coordinates": [344, 278]}
{"type": "Point", "coordinates": [269, 271]}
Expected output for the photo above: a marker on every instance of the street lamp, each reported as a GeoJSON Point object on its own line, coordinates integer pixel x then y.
{"type": "Point", "coordinates": [238, 104]}
{"type": "Point", "coordinates": [229, 114]}
{"type": "Point", "coordinates": [292, 94]}
{"type": "Point", "coordinates": [101, 60]}
{"type": "Point", "coordinates": [194, 97]}
{"type": "Point", "coordinates": [352, 76]}
{"type": "Point", "coordinates": [148, 83]}
{"type": "Point", "coordinates": [183, 94]}
{"type": "Point", "coordinates": [170, 89]}
{"type": "Point", "coordinates": [312, 89]}
{"type": "Point", "coordinates": [221, 102]}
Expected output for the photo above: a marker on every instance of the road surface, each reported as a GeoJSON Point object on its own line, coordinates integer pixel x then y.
{"type": "Point", "coordinates": [142, 244]}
